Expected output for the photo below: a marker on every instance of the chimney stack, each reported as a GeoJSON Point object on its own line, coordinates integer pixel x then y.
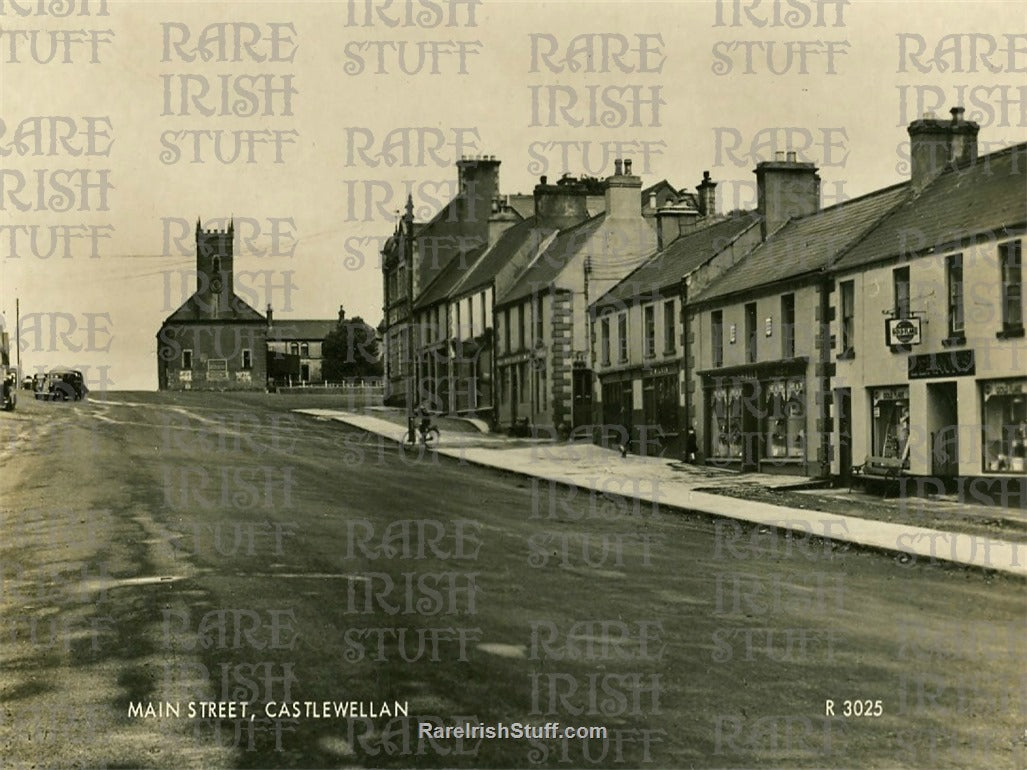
{"type": "Point", "coordinates": [707, 196]}
{"type": "Point", "coordinates": [785, 189]}
{"type": "Point", "coordinates": [270, 315]}
{"type": "Point", "coordinates": [623, 193]}
{"type": "Point", "coordinates": [935, 144]}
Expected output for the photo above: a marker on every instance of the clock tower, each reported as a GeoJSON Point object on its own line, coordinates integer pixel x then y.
{"type": "Point", "coordinates": [214, 268]}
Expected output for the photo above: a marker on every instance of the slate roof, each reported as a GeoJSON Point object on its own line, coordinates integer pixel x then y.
{"type": "Point", "coordinates": [193, 310]}
{"type": "Point", "coordinates": [442, 285]}
{"type": "Point", "coordinates": [550, 261]}
{"type": "Point", "coordinates": [807, 244]}
{"type": "Point", "coordinates": [688, 252]}
{"type": "Point", "coordinates": [289, 329]}
{"type": "Point", "coordinates": [527, 235]}
{"type": "Point", "coordinates": [982, 197]}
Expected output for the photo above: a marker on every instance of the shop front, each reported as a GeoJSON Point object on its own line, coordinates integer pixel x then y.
{"type": "Point", "coordinates": [757, 418]}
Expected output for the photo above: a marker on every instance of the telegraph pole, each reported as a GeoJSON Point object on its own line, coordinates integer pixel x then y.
{"type": "Point", "coordinates": [408, 258]}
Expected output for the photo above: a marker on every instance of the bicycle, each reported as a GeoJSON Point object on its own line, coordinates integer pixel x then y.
{"type": "Point", "coordinates": [429, 435]}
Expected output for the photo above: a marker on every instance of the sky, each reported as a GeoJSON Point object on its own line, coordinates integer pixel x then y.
{"type": "Point", "coordinates": [308, 123]}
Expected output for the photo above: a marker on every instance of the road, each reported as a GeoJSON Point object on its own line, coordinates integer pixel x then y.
{"type": "Point", "coordinates": [164, 552]}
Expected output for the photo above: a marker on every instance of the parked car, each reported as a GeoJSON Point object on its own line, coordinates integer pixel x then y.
{"type": "Point", "coordinates": [28, 382]}
{"type": "Point", "coordinates": [62, 385]}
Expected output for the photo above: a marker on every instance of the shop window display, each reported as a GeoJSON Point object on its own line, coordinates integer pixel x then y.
{"type": "Point", "coordinates": [891, 422]}
{"type": "Point", "coordinates": [726, 422]}
{"type": "Point", "coordinates": [785, 421]}
{"type": "Point", "coordinates": [1005, 426]}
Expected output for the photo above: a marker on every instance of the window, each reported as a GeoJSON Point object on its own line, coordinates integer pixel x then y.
{"type": "Point", "coordinates": [750, 332]}
{"type": "Point", "coordinates": [294, 348]}
{"type": "Point", "coordinates": [187, 359]}
{"type": "Point", "coordinates": [788, 326]}
{"type": "Point", "coordinates": [457, 331]}
{"type": "Point", "coordinates": [669, 327]}
{"type": "Point", "coordinates": [247, 359]}
{"type": "Point", "coordinates": [784, 426]}
{"type": "Point", "coordinates": [717, 337]}
{"type": "Point", "coordinates": [604, 340]}
{"type": "Point", "coordinates": [900, 282]}
{"type": "Point", "coordinates": [891, 422]}
{"type": "Point", "coordinates": [848, 292]}
{"type": "Point", "coordinates": [1011, 261]}
{"type": "Point", "coordinates": [726, 422]}
{"type": "Point", "coordinates": [305, 349]}
{"type": "Point", "coordinates": [954, 276]}
{"type": "Point", "coordinates": [622, 337]}
{"type": "Point", "coordinates": [539, 321]}
{"type": "Point", "coordinates": [520, 326]}
{"type": "Point", "coordinates": [506, 331]}
{"type": "Point", "coordinates": [649, 324]}
{"type": "Point", "coordinates": [1005, 426]}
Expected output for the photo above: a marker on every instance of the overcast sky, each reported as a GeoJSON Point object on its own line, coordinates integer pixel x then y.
{"type": "Point", "coordinates": [494, 78]}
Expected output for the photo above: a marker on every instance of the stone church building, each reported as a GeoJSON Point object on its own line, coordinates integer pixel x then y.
{"type": "Point", "coordinates": [214, 341]}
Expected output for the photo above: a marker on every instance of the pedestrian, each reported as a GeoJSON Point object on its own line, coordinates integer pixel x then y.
{"type": "Point", "coordinates": [691, 445]}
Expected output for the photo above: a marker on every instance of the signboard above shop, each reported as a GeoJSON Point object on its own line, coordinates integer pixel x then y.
{"type": "Point", "coordinates": [902, 331]}
{"type": "Point", "coordinates": [953, 363]}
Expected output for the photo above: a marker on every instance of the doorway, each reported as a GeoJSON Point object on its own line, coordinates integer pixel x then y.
{"type": "Point", "coordinates": [843, 405]}
{"type": "Point", "coordinates": [943, 424]}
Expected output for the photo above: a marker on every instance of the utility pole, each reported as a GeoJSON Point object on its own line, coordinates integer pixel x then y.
{"type": "Point", "coordinates": [408, 258]}
{"type": "Point", "coordinates": [17, 333]}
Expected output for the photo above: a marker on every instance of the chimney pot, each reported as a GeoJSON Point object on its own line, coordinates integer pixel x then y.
{"type": "Point", "coordinates": [542, 179]}
{"type": "Point", "coordinates": [652, 200]}
{"type": "Point", "coordinates": [957, 114]}
{"type": "Point", "coordinates": [706, 176]}
{"type": "Point", "coordinates": [779, 155]}
{"type": "Point", "coordinates": [627, 166]}
{"type": "Point", "coordinates": [617, 164]}
{"type": "Point", "coordinates": [791, 156]}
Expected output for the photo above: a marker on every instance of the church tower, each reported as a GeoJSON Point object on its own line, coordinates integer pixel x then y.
{"type": "Point", "coordinates": [215, 270]}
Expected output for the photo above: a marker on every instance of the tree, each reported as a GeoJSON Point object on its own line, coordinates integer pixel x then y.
{"type": "Point", "coordinates": [351, 350]}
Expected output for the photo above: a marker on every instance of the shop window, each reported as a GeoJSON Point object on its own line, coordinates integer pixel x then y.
{"type": "Point", "coordinates": [788, 326]}
{"type": "Point", "coordinates": [848, 298]}
{"type": "Point", "coordinates": [1005, 426]}
{"type": "Point", "coordinates": [187, 359]}
{"type": "Point", "coordinates": [726, 422]}
{"type": "Point", "coordinates": [669, 327]}
{"type": "Point", "coordinates": [784, 427]}
{"type": "Point", "coordinates": [649, 324]}
{"type": "Point", "coordinates": [717, 337]}
{"type": "Point", "coordinates": [1011, 261]}
{"type": "Point", "coordinates": [891, 422]}
{"type": "Point", "coordinates": [604, 340]}
{"type": "Point", "coordinates": [954, 271]}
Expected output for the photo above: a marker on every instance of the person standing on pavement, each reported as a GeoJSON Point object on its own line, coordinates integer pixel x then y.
{"type": "Point", "coordinates": [691, 445]}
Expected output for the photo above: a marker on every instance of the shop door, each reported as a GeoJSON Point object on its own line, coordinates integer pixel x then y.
{"type": "Point", "coordinates": [941, 397]}
{"type": "Point", "coordinates": [582, 397]}
{"type": "Point", "coordinates": [751, 414]}
{"type": "Point", "coordinates": [843, 413]}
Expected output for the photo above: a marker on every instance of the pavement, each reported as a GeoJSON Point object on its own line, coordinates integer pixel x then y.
{"type": "Point", "coordinates": [675, 485]}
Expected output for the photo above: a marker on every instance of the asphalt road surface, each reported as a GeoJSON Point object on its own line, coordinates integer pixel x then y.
{"type": "Point", "coordinates": [183, 576]}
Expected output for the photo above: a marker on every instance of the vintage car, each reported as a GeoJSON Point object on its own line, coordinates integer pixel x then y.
{"type": "Point", "coordinates": [62, 385]}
